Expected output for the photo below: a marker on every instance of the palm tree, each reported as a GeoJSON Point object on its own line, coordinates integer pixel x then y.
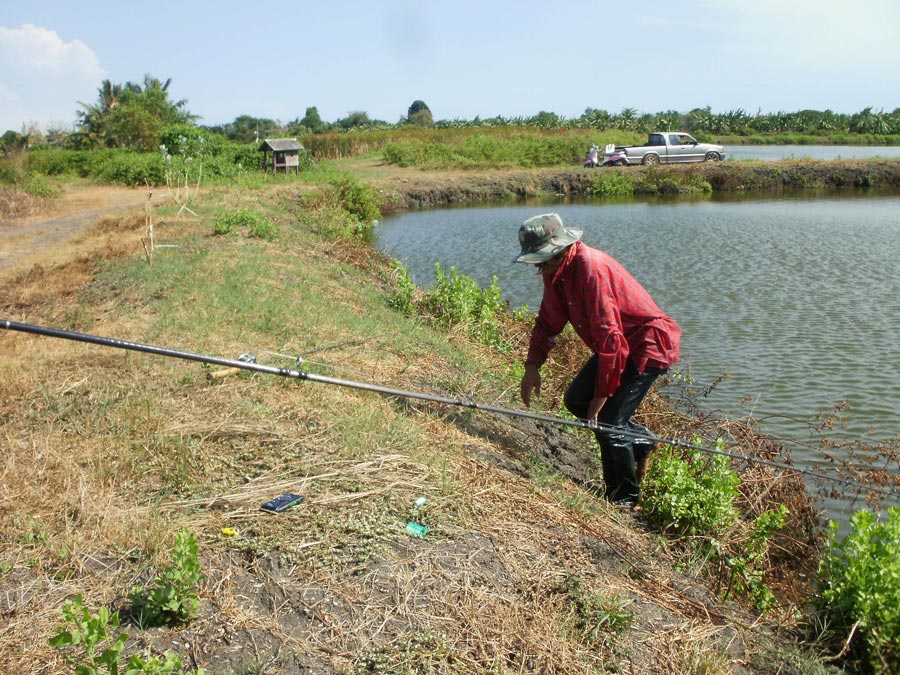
{"type": "Point", "coordinates": [130, 115]}
{"type": "Point", "coordinates": [93, 116]}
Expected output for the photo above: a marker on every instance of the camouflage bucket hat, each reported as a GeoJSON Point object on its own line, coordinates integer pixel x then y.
{"type": "Point", "coordinates": [542, 237]}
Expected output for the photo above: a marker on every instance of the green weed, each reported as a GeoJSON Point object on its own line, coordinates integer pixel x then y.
{"type": "Point", "coordinates": [173, 598]}
{"type": "Point", "coordinates": [423, 652]}
{"type": "Point", "coordinates": [745, 570]}
{"type": "Point", "coordinates": [95, 634]}
{"type": "Point", "coordinates": [595, 618]}
{"type": "Point", "coordinates": [611, 184]}
{"type": "Point", "coordinates": [456, 299]}
{"type": "Point", "coordinates": [101, 645]}
{"type": "Point", "coordinates": [860, 578]}
{"type": "Point", "coordinates": [402, 294]}
{"type": "Point", "coordinates": [691, 492]}
{"type": "Point", "coordinates": [257, 226]}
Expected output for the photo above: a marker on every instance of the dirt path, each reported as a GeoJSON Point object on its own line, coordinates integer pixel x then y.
{"type": "Point", "coordinates": [53, 236]}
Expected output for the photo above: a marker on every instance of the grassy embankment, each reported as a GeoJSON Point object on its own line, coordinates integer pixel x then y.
{"type": "Point", "coordinates": [108, 453]}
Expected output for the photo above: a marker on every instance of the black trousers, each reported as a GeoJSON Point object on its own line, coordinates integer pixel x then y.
{"type": "Point", "coordinates": [617, 452]}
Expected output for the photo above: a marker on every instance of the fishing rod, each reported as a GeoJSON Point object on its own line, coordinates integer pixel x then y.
{"type": "Point", "coordinates": [247, 362]}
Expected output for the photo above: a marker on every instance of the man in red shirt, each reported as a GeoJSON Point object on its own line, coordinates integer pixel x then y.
{"type": "Point", "coordinates": [633, 343]}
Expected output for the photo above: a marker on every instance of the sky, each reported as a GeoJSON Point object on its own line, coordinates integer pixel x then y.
{"type": "Point", "coordinates": [464, 59]}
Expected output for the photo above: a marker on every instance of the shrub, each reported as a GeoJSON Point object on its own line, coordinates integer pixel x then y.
{"type": "Point", "coordinates": [125, 167]}
{"type": "Point", "coordinates": [361, 201]}
{"type": "Point", "coordinates": [262, 228]}
{"type": "Point", "coordinates": [456, 299]}
{"type": "Point", "coordinates": [402, 295]}
{"type": "Point", "coordinates": [611, 184]}
{"type": "Point", "coordinates": [58, 162]}
{"type": "Point", "coordinates": [745, 569]}
{"type": "Point", "coordinates": [38, 186]}
{"type": "Point", "coordinates": [691, 492]}
{"type": "Point", "coordinates": [350, 209]}
{"type": "Point", "coordinates": [860, 579]}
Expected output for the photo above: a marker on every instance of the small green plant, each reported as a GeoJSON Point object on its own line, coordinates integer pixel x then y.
{"type": "Point", "coordinates": [261, 228]}
{"type": "Point", "coordinates": [173, 598]}
{"type": "Point", "coordinates": [224, 223]}
{"type": "Point", "coordinates": [102, 646]}
{"type": "Point", "coordinates": [402, 295]}
{"type": "Point", "coordinates": [860, 580]}
{"type": "Point", "coordinates": [456, 299]}
{"type": "Point", "coordinates": [95, 633]}
{"type": "Point", "coordinates": [611, 184]}
{"type": "Point", "coordinates": [691, 492]}
{"type": "Point", "coordinates": [746, 574]}
{"type": "Point", "coordinates": [152, 664]}
{"type": "Point", "coordinates": [227, 222]}
{"type": "Point", "coordinates": [423, 652]}
{"type": "Point", "coordinates": [595, 618]}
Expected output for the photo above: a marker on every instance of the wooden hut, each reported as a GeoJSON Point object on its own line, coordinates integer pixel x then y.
{"type": "Point", "coordinates": [285, 154]}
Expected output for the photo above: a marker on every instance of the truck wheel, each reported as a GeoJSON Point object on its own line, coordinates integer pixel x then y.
{"type": "Point", "coordinates": [651, 159]}
{"type": "Point", "coordinates": [712, 157]}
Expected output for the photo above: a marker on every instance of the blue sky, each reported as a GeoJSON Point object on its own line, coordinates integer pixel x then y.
{"type": "Point", "coordinates": [464, 58]}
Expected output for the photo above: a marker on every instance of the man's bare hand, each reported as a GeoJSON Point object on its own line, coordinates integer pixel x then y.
{"type": "Point", "coordinates": [531, 381]}
{"type": "Point", "coordinates": [594, 408]}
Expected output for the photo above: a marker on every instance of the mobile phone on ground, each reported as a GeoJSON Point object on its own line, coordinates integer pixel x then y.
{"type": "Point", "coordinates": [282, 502]}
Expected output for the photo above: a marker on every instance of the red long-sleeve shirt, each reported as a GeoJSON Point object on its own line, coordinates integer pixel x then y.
{"type": "Point", "coordinates": [610, 311]}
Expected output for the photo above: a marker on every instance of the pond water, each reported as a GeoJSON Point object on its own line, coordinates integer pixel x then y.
{"type": "Point", "coordinates": [771, 153]}
{"type": "Point", "coordinates": [797, 299]}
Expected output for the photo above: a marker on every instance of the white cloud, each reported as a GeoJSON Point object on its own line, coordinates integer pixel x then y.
{"type": "Point", "coordinates": [43, 76]}
{"type": "Point", "coordinates": [41, 50]}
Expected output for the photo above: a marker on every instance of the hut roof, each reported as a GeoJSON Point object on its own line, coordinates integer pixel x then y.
{"type": "Point", "coordinates": [281, 144]}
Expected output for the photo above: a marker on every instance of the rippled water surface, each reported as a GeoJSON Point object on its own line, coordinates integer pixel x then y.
{"type": "Point", "coordinates": [797, 299]}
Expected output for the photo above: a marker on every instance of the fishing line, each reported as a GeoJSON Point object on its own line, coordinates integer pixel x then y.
{"type": "Point", "coordinates": [246, 362]}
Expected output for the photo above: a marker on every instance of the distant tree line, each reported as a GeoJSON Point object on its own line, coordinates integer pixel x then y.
{"type": "Point", "coordinates": [136, 115]}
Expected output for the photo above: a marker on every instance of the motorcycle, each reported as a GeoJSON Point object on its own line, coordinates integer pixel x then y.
{"type": "Point", "coordinates": [614, 156]}
{"type": "Point", "coordinates": [593, 158]}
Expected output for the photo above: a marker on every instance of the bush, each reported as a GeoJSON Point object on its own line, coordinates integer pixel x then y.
{"type": "Point", "coordinates": [363, 202]}
{"type": "Point", "coordinates": [456, 299]}
{"type": "Point", "coordinates": [59, 162]}
{"type": "Point", "coordinates": [38, 186]}
{"type": "Point", "coordinates": [126, 167]}
{"type": "Point", "coordinates": [691, 492]}
{"type": "Point", "coordinates": [611, 184]}
{"type": "Point", "coordinates": [860, 596]}
{"type": "Point", "coordinates": [402, 295]}
{"type": "Point", "coordinates": [347, 208]}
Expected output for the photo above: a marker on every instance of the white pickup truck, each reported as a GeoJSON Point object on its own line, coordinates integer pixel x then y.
{"type": "Point", "coordinates": [667, 147]}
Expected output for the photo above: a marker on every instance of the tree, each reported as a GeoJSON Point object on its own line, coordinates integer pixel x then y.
{"type": "Point", "coordinates": [249, 129]}
{"type": "Point", "coordinates": [312, 121]}
{"type": "Point", "coordinates": [130, 115]}
{"type": "Point", "coordinates": [419, 115]}
{"type": "Point", "coordinates": [357, 118]}
{"type": "Point", "coordinates": [11, 141]}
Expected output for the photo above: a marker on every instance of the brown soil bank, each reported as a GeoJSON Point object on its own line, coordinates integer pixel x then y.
{"type": "Point", "coordinates": [422, 189]}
